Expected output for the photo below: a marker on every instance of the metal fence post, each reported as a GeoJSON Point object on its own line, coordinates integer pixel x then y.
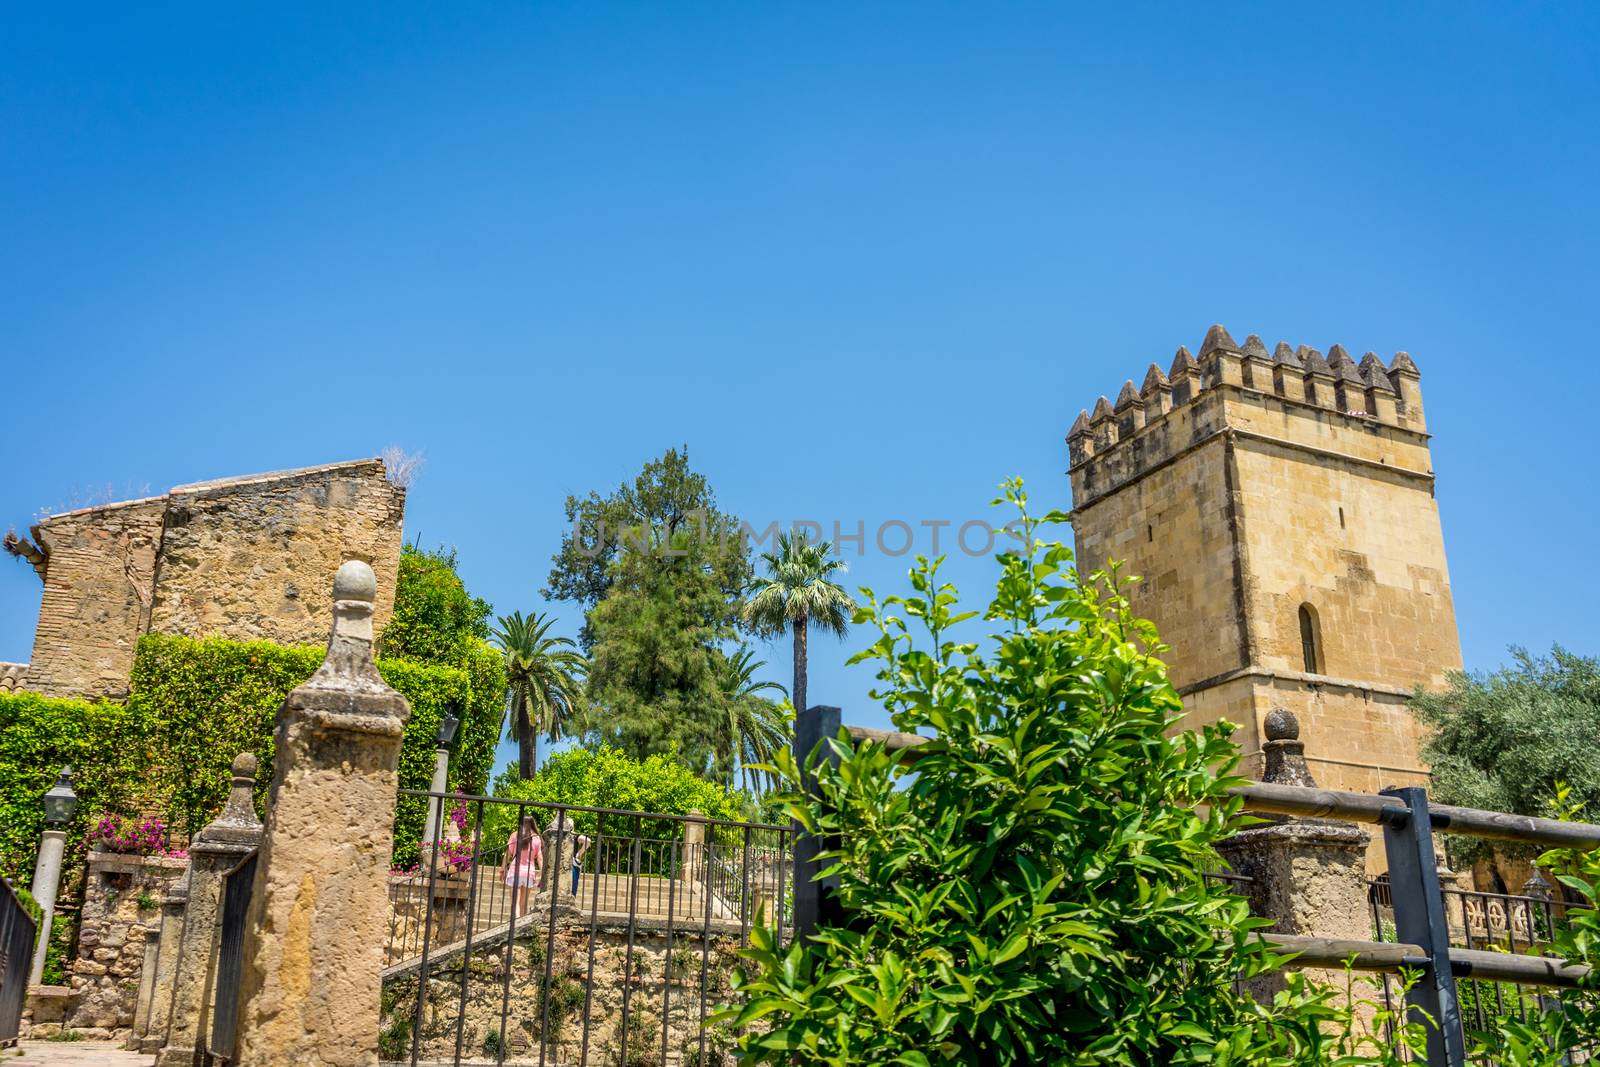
{"type": "Point", "coordinates": [813, 900]}
{"type": "Point", "coordinates": [1419, 919]}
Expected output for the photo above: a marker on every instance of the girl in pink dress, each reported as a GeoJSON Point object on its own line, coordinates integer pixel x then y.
{"type": "Point", "coordinates": [524, 861]}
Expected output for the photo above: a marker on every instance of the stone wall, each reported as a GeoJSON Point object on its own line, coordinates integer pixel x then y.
{"type": "Point", "coordinates": [1367, 739]}
{"type": "Point", "coordinates": [1175, 530]}
{"type": "Point", "coordinates": [254, 558]}
{"type": "Point", "coordinates": [659, 983]}
{"type": "Point", "coordinates": [1363, 546]}
{"type": "Point", "coordinates": [98, 586]}
{"type": "Point", "coordinates": [121, 909]}
{"type": "Point", "coordinates": [243, 558]}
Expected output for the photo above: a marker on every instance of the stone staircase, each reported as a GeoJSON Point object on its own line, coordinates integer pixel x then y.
{"type": "Point", "coordinates": [611, 901]}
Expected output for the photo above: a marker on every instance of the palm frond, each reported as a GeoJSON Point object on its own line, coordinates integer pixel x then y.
{"type": "Point", "coordinates": [544, 676]}
{"type": "Point", "coordinates": [799, 584]}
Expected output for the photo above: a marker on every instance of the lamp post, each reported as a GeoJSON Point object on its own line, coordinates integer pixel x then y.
{"type": "Point", "coordinates": [59, 804]}
{"type": "Point", "coordinates": [441, 771]}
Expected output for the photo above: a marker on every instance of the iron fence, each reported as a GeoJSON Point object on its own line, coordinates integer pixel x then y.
{"type": "Point", "coordinates": [237, 887]}
{"type": "Point", "coordinates": [1509, 923]}
{"type": "Point", "coordinates": [1421, 936]}
{"type": "Point", "coordinates": [17, 931]}
{"type": "Point", "coordinates": [614, 948]}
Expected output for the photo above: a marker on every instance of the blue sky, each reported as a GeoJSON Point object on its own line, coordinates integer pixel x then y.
{"type": "Point", "coordinates": [865, 260]}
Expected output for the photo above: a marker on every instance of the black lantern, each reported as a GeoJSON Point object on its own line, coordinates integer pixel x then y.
{"type": "Point", "coordinates": [447, 728]}
{"type": "Point", "coordinates": [1537, 886]}
{"type": "Point", "coordinates": [61, 801]}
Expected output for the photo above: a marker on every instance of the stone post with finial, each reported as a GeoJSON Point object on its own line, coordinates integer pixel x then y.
{"type": "Point", "coordinates": [1307, 875]}
{"type": "Point", "coordinates": [213, 852]}
{"type": "Point", "coordinates": [314, 948]}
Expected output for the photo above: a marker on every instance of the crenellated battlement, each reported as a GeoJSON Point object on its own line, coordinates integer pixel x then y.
{"type": "Point", "coordinates": [1277, 505]}
{"type": "Point", "coordinates": [1335, 391]}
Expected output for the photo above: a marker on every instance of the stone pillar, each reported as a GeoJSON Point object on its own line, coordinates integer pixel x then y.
{"type": "Point", "coordinates": [173, 906]}
{"type": "Point", "coordinates": [319, 915]}
{"type": "Point", "coordinates": [147, 984]}
{"type": "Point", "coordinates": [215, 850]}
{"type": "Point", "coordinates": [46, 880]}
{"type": "Point", "coordinates": [1451, 885]}
{"type": "Point", "coordinates": [1307, 875]}
{"type": "Point", "coordinates": [436, 807]}
{"type": "Point", "coordinates": [694, 845]}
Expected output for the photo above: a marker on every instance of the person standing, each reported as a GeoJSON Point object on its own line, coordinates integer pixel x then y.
{"type": "Point", "coordinates": [577, 860]}
{"type": "Point", "coordinates": [524, 864]}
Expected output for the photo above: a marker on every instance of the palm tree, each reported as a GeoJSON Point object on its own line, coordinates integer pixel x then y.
{"type": "Point", "coordinates": [754, 728]}
{"type": "Point", "coordinates": [543, 684]}
{"type": "Point", "coordinates": [798, 591]}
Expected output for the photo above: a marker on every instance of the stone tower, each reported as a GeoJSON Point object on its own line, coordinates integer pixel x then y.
{"type": "Point", "coordinates": [1279, 507]}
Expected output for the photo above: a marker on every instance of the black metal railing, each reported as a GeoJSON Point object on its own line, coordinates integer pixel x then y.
{"type": "Point", "coordinates": [1421, 936]}
{"type": "Point", "coordinates": [1508, 923]}
{"type": "Point", "coordinates": [17, 932]}
{"type": "Point", "coordinates": [615, 947]}
{"type": "Point", "coordinates": [236, 892]}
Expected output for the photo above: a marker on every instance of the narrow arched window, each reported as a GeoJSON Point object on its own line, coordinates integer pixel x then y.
{"type": "Point", "coordinates": [1310, 640]}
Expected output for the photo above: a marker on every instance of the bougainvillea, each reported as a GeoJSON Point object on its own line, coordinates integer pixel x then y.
{"type": "Point", "coordinates": [141, 837]}
{"type": "Point", "coordinates": [453, 857]}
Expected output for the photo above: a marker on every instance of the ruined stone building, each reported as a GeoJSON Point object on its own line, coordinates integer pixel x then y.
{"type": "Point", "coordinates": [247, 558]}
{"type": "Point", "coordinates": [1279, 507]}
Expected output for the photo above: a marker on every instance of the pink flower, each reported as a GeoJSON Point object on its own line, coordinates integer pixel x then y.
{"type": "Point", "coordinates": [147, 837]}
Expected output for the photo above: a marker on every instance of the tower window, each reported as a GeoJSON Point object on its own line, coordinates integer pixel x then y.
{"type": "Point", "coordinates": [1341, 518]}
{"type": "Point", "coordinates": [1310, 639]}
{"type": "Point", "coordinates": [1150, 533]}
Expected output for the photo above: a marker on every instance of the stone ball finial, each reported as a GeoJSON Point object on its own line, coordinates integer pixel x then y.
{"type": "Point", "coordinates": [1281, 725]}
{"type": "Point", "coordinates": [244, 765]}
{"type": "Point", "coordinates": [355, 581]}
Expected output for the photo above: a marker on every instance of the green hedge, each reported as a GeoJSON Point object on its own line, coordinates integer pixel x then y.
{"type": "Point", "coordinates": [610, 778]}
{"type": "Point", "coordinates": [104, 744]}
{"type": "Point", "coordinates": [194, 705]}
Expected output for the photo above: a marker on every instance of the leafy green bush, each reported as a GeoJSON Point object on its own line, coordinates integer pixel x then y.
{"type": "Point", "coordinates": [1545, 1028]}
{"type": "Point", "coordinates": [1033, 891]}
{"type": "Point", "coordinates": [494, 1046]}
{"type": "Point", "coordinates": [29, 905]}
{"type": "Point", "coordinates": [59, 954]}
{"type": "Point", "coordinates": [435, 619]}
{"type": "Point", "coordinates": [206, 700]}
{"type": "Point", "coordinates": [1502, 740]}
{"type": "Point", "coordinates": [196, 704]}
{"type": "Point", "coordinates": [609, 778]}
{"type": "Point", "coordinates": [394, 1040]}
{"type": "Point", "coordinates": [103, 742]}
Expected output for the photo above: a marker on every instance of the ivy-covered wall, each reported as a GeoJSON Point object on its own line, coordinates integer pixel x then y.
{"type": "Point", "coordinates": [194, 705]}
{"type": "Point", "coordinates": [103, 742]}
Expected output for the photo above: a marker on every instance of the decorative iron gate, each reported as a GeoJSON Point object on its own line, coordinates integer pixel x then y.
{"type": "Point", "coordinates": [17, 931]}
{"type": "Point", "coordinates": [615, 948]}
{"type": "Point", "coordinates": [236, 891]}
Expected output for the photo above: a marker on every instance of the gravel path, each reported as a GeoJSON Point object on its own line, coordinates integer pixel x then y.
{"type": "Point", "coordinates": [74, 1054]}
